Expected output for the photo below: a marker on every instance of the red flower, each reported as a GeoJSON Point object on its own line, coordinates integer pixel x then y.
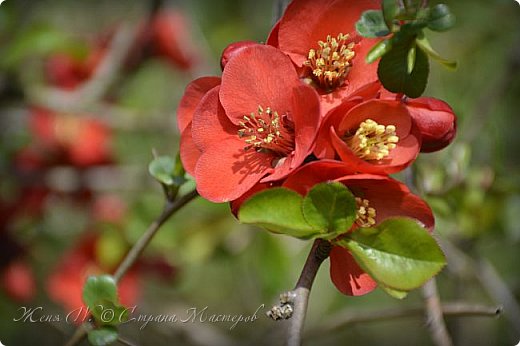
{"type": "Point", "coordinates": [378, 198]}
{"type": "Point", "coordinates": [171, 40]}
{"type": "Point", "coordinates": [258, 125]}
{"type": "Point", "coordinates": [376, 136]}
{"type": "Point", "coordinates": [18, 281]}
{"type": "Point", "coordinates": [321, 39]}
{"type": "Point", "coordinates": [68, 139]}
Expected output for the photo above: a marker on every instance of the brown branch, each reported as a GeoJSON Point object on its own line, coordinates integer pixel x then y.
{"type": "Point", "coordinates": [455, 309]}
{"type": "Point", "coordinates": [134, 253]}
{"type": "Point", "coordinates": [293, 304]}
{"type": "Point", "coordinates": [434, 314]}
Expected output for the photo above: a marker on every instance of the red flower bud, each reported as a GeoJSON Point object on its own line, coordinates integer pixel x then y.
{"type": "Point", "coordinates": [233, 49]}
{"type": "Point", "coordinates": [435, 120]}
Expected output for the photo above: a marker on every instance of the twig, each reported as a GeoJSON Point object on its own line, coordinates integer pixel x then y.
{"type": "Point", "coordinates": [124, 342]}
{"type": "Point", "coordinates": [456, 309]}
{"type": "Point", "coordinates": [484, 271]}
{"type": "Point", "coordinates": [434, 313]}
{"type": "Point", "coordinates": [138, 248]}
{"type": "Point", "coordinates": [293, 304]}
{"type": "Point", "coordinates": [97, 86]}
{"type": "Point", "coordinates": [134, 253]}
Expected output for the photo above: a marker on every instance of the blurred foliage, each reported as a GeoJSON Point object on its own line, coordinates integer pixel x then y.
{"type": "Point", "coordinates": [208, 259]}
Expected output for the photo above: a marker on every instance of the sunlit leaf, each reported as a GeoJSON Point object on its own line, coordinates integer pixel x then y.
{"type": "Point", "coordinates": [398, 254]}
{"type": "Point", "coordinates": [378, 50]}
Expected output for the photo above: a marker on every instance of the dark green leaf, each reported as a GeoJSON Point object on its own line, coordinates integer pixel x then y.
{"type": "Point", "coordinates": [98, 289]}
{"type": "Point", "coordinates": [390, 9]}
{"type": "Point", "coordinates": [379, 49]}
{"type": "Point", "coordinates": [102, 336]}
{"type": "Point", "coordinates": [424, 44]}
{"type": "Point", "coordinates": [441, 18]}
{"type": "Point", "coordinates": [331, 208]}
{"type": "Point", "coordinates": [278, 210]}
{"type": "Point", "coordinates": [393, 69]}
{"type": "Point", "coordinates": [398, 254]}
{"type": "Point", "coordinates": [372, 24]}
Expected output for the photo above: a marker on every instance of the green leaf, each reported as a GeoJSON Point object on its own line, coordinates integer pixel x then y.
{"type": "Point", "coordinates": [390, 9]}
{"type": "Point", "coordinates": [398, 254]}
{"type": "Point", "coordinates": [279, 210]}
{"type": "Point", "coordinates": [411, 59]}
{"type": "Point", "coordinates": [394, 293]}
{"type": "Point", "coordinates": [378, 50]}
{"type": "Point", "coordinates": [330, 208]}
{"type": "Point", "coordinates": [162, 169]}
{"type": "Point", "coordinates": [107, 313]}
{"type": "Point", "coordinates": [372, 24]}
{"type": "Point", "coordinates": [98, 289]}
{"type": "Point", "coordinates": [441, 18]}
{"type": "Point", "coordinates": [424, 44]}
{"type": "Point", "coordinates": [102, 336]}
{"type": "Point", "coordinates": [393, 68]}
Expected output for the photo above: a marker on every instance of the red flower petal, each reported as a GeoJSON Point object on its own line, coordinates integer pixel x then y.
{"type": "Point", "coordinates": [303, 179]}
{"type": "Point", "coordinates": [346, 274]}
{"type": "Point", "coordinates": [189, 152]}
{"type": "Point", "coordinates": [390, 198]}
{"type": "Point", "coordinates": [258, 76]}
{"type": "Point", "coordinates": [225, 171]}
{"type": "Point", "coordinates": [272, 39]}
{"type": "Point", "coordinates": [210, 123]}
{"type": "Point", "coordinates": [233, 49]}
{"type": "Point", "coordinates": [306, 22]}
{"type": "Point", "coordinates": [194, 92]}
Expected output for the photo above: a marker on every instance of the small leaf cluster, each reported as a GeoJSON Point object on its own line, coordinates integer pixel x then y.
{"type": "Point", "coordinates": [169, 173]}
{"type": "Point", "coordinates": [404, 50]}
{"type": "Point", "coordinates": [100, 296]}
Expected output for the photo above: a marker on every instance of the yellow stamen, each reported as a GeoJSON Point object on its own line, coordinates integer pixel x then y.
{"type": "Point", "coordinates": [365, 215]}
{"type": "Point", "coordinates": [331, 62]}
{"type": "Point", "coordinates": [267, 131]}
{"type": "Point", "coordinates": [373, 141]}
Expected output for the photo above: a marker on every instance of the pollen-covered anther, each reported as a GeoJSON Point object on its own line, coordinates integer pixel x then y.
{"type": "Point", "coordinates": [372, 141]}
{"type": "Point", "coordinates": [331, 62]}
{"type": "Point", "coordinates": [365, 215]}
{"type": "Point", "coordinates": [267, 131]}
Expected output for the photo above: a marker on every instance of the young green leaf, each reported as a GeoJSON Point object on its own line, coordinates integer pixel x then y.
{"type": "Point", "coordinates": [371, 24]}
{"type": "Point", "coordinates": [393, 69]}
{"type": "Point", "coordinates": [331, 208]}
{"type": "Point", "coordinates": [399, 254]}
{"type": "Point", "coordinates": [99, 288]}
{"type": "Point", "coordinates": [103, 336]}
{"type": "Point", "coordinates": [424, 44]}
{"type": "Point", "coordinates": [394, 293]}
{"type": "Point", "coordinates": [107, 313]}
{"type": "Point", "coordinates": [378, 50]}
{"type": "Point", "coordinates": [278, 210]}
{"type": "Point", "coordinates": [161, 168]}
{"type": "Point", "coordinates": [441, 18]}
{"type": "Point", "coordinates": [390, 10]}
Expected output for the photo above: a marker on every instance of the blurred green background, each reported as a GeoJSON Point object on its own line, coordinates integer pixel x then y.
{"type": "Point", "coordinates": [203, 257]}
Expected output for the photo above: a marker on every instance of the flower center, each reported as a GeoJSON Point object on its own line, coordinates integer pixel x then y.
{"type": "Point", "coordinates": [365, 215]}
{"type": "Point", "coordinates": [267, 131]}
{"type": "Point", "coordinates": [372, 141]}
{"type": "Point", "coordinates": [331, 62]}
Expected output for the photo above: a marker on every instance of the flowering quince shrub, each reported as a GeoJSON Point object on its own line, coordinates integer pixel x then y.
{"type": "Point", "coordinates": [301, 133]}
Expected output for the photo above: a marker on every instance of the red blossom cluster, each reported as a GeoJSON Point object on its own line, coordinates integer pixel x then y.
{"type": "Point", "coordinates": [75, 143]}
{"type": "Point", "coordinates": [306, 108]}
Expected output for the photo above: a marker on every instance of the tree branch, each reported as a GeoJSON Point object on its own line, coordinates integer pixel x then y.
{"type": "Point", "coordinates": [349, 317]}
{"type": "Point", "coordinates": [434, 313]}
{"type": "Point", "coordinates": [134, 253]}
{"type": "Point", "coordinates": [293, 304]}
